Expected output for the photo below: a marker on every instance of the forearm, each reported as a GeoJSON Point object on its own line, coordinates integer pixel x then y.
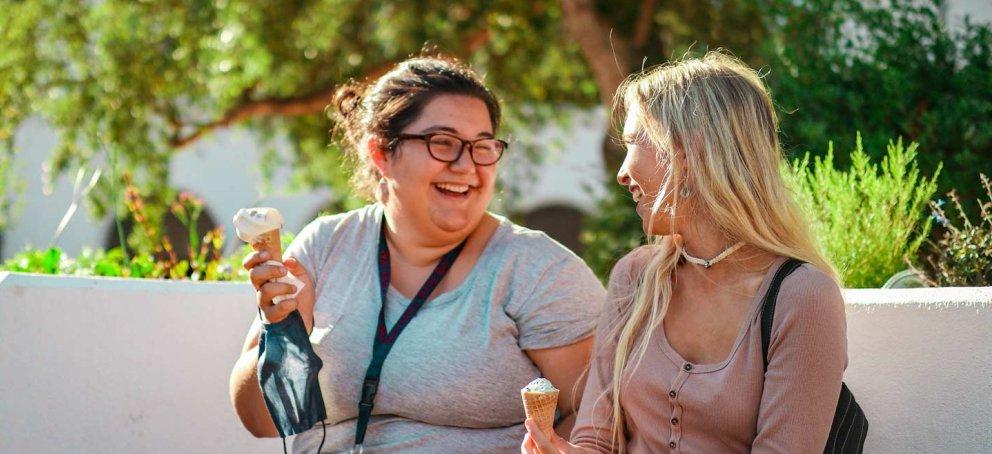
{"type": "Point", "coordinates": [246, 396]}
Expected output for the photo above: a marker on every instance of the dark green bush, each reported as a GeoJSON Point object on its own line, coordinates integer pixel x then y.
{"type": "Point", "coordinates": [962, 257]}
{"type": "Point", "coordinates": [887, 69]}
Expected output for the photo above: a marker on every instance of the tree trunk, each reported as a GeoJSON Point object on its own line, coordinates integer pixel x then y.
{"type": "Point", "coordinates": [608, 56]}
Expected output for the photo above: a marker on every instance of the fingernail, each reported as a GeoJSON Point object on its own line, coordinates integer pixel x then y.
{"type": "Point", "coordinates": [264, 255]}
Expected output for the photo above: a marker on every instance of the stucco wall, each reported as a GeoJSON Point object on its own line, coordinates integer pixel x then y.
{"type": "Point", "coordinates": [109, 365]}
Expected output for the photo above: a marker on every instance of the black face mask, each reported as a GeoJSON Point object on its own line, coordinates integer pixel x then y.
{"type": "Point", "coordinates": [287, 373]}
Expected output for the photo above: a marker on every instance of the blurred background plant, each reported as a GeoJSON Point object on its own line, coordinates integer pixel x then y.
{"type": "Point", "coordinates": [962, 256]}
{"type": "Point", "coordinates": [870, 219]}
{"type": "Point", "coordinates": [150, 253]}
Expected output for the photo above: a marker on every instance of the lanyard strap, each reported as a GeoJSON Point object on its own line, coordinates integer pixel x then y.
{"type": "Point", "coordinates": [384, 339]}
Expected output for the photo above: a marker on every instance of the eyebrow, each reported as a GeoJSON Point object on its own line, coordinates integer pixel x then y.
{"type": "Point", "coordinates": [439, 128]}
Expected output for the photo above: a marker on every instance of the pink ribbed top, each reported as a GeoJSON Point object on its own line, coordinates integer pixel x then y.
{"type": "Point", "coordinates": [671, 405]}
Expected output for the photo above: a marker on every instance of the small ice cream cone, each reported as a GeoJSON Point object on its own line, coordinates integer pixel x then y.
{"type": "Point", "coordinates": [540, 401]}
{"type": "Point", "coordinates": [259, 227]}
{"type": "Point", "coordinates": [269, 242]}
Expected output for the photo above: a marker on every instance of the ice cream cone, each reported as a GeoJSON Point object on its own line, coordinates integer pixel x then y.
{"type": "Point", "coordinates": [540, 406]}
{"type": "Point", "coordinates": [269, 242]}
{"type": "Point", "coordinates": [260, 228]}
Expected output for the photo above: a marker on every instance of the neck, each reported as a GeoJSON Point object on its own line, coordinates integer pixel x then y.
{"type": "Point", "coordinates": [416, 245]}
{"type": "Point", "coordinates": [705, 241]}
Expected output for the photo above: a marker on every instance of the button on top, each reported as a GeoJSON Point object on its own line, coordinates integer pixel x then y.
{"type": "Point", "coordinates": [675, 421]}
{"type": "Point", "coordinates": [671, 394]}
{"type": "Point", "coordinates": [671, 445]}
{"type": "Point", "coordinates": [687, 367]}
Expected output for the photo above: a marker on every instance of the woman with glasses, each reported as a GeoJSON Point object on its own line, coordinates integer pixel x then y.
{"type": "Point", "coordinates": [680, 362]}
{"type": "Point", "coordinates": [472, 306]}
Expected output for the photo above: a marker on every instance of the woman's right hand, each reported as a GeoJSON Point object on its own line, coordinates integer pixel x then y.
{"type": "Point", "coordinates": [535, 442]}
{"type": "Point", "coordinates": [262, 277]}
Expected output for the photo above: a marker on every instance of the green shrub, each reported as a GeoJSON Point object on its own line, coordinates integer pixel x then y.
{"type": "Point", "coordinates": [867, 219]}
{"type": "Point", "coordinates": [963, 255]}
{"type": "Point", "coordinates": [114, 263]}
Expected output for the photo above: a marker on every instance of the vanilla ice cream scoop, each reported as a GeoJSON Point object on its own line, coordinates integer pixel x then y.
{"type": "Point", "coordinates": [540, 385]}
{"type": "Point", "coordinates": [252, 222]}
{"type": "Point", "coordinates": [260, 227]}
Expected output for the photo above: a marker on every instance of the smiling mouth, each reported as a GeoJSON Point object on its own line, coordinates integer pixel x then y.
{"type": "Point", "coordinates": [453, 189]}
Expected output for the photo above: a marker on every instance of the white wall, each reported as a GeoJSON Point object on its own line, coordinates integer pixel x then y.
{"type": "Point", "coordinates": [111, 365]}
{"type": "Point", "coordinates": [121, 366]}
{"type": "Point", "coordinates": [920, 364]}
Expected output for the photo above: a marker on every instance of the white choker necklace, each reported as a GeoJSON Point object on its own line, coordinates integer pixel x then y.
{"type": "Point", "coordinates": [714, 260]}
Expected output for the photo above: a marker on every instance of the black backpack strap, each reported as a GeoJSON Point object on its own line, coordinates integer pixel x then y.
{"type": "Point", "coordinates": [768, 307]}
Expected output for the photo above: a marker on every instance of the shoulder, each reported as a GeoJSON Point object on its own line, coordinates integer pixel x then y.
{"type": "Point", "coordinates": [630, 267]}
{"type": "Point", "coordinates": [810, 293]}
{"type": "Point", "coordinates": [325, 226]}
{"type": "Point", "coordinates": [536, 266]}
{"type": "Point", "coordinates": [532, 249]}
{"type": "Point", "coordinates": [628, 272]}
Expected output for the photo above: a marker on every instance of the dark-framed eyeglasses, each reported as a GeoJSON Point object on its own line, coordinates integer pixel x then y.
{"type": "Point", "coordinates": [447, 148]}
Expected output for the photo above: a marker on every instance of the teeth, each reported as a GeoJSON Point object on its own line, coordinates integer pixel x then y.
{"type": "Point", "coordinates": [459, 188]}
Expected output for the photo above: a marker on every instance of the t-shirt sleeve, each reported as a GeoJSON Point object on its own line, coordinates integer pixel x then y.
{"type": "Point", "coordinates": [562, 308]}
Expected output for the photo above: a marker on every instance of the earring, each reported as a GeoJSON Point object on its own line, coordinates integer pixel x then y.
{"type": "Point", "coordinates": [382, 191]}
{"type": "Point", "coordinates": [686, 192]}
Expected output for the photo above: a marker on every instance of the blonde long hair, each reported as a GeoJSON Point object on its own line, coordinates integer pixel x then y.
{"type": "Point", "coordinates": [717, 112]}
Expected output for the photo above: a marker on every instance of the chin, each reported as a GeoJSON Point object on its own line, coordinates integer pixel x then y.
{"type": "Point", "coordinates": [455, 222]}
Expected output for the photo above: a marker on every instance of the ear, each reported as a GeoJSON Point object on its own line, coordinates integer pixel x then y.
{"type": "Point", "coordinates": [376, 148]}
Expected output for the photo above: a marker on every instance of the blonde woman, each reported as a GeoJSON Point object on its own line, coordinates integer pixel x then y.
{"type": "Point", "coordinates": [678, 363]}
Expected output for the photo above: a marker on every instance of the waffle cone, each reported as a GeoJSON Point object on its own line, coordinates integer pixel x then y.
{"type": "Point", "coordinates": [269, 241]}
{"type": "Point", "coordinates": [541, 408]}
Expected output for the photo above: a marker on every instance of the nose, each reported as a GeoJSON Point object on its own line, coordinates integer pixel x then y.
{"type": "Point", "coordinates": [464, 164]}
{"type": "Point", "coordinates": [623, 175]}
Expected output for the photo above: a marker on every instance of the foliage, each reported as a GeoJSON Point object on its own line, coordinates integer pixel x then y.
{"type": "Point", "coordinates": [886, 69]}
{"type": "Point", "coordinates": [145, 79]}
{"type": "Point", "coordinates": [10, 186]}
{"type": "Point", "coordinates": [963, 254]}
{"type": "Point", "coordinates": [53, 260]}
{"type": "Point", "coordinates": [868, 219]}
{"type": "Point", "coordinates": [114, 263]}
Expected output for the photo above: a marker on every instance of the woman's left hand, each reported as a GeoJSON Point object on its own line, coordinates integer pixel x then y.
{"type": "Point", "coordinates": [536, 442]}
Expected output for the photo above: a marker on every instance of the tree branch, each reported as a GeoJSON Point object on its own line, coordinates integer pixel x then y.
{"type": "Point", "coordinates": [309, 104]}
{"type": "Point", "coordinates": [305, 105]}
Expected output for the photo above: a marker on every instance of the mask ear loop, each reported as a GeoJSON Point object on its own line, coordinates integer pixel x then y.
{"type": "Point", "coordinates": [324, 428]}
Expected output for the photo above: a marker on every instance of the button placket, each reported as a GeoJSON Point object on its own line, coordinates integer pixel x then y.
{"type": "Point", "coordinates": [675, 395]}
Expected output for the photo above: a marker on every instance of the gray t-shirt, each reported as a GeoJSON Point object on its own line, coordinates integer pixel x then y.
{"type": "Point", "coordinates": [452, 380]}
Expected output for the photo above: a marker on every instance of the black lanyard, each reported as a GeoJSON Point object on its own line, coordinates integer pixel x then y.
{"type": "Point", "coordinates": [384, 339]}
